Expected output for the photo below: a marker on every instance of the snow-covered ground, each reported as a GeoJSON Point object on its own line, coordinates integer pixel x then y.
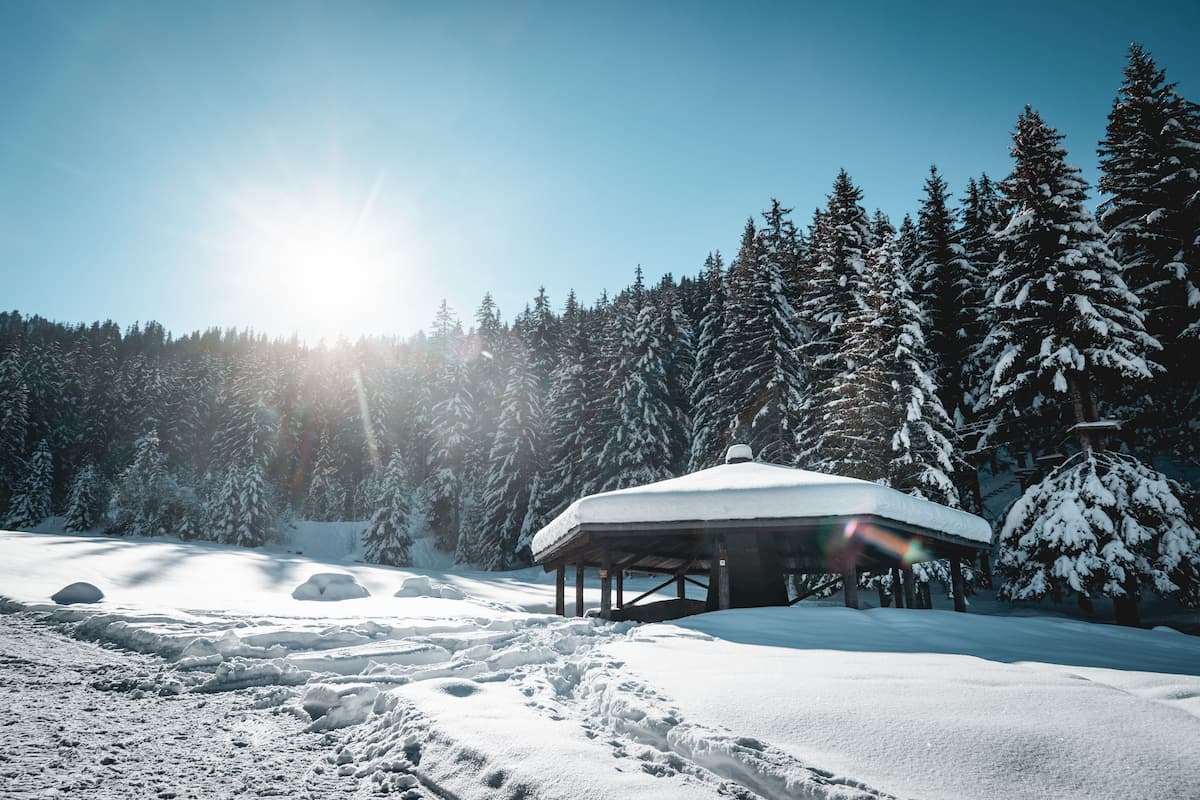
{"type": "Point", "coordinates": [466, 687]}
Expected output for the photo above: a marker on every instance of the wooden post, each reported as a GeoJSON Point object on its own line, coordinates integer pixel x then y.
{"type": "Point", "coordinates": [722, 556]}
{"type": "Point", "coordinates": [605, 593]}
{"type": "Point", "coordinates": [956, 584]}
{"type": "Point", "coordinates": [579, 589]}
{"type": "Point", "coordinates": [897, 588]}
{"type": "Point", "coordinates": [680, 588]}
{"type": "Point", "coordinates": [620, 588]}
{"type": "Point", "coordinates": [560, 590]}
{"type": "Point", "coordinates": [924, 595]}
{"type": "Point", "coordinates": [910, 590]}
{"type": "Point", "coordinates": [850, 587]}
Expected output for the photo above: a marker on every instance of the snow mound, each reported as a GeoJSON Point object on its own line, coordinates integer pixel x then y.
{"type": "Point", "coordinates": [78, 592]}
{"type": "Point", "coordinates": [334, 707]}
{"type": "Point", "coordinates": [330, 586]}
{"type": "Point", "coordinates": [423, 586]}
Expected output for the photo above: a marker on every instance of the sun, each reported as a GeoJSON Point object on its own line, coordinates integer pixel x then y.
{"type": "Point", "coordinates": [318, 258]}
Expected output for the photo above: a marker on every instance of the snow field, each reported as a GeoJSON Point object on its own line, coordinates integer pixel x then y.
{"type": "Point", "coordinates": [463, 687]}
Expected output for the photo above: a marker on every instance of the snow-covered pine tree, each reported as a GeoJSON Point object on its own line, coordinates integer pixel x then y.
{"type": "Point", "coordinates": [540, 332]}
{"type": "Point", "coordinates": [763, 364]}
{"type": "Point", "coordinates": [1066, 326]}
{"type": "Point", "coordinates": [31, 501]}
{"type": "Point", "coordinates": [255, 504]}
{"type": "Point", "coordinates": [14, 422]}
{"type": "Point", "coordinates": [452, 426]}
{"type": "Point", "coordinates": [679, 362]}
{"type": "Point", "coordinates": [1105, 524]}
{"type": "Point", "coordinates": [146, 500]}
{"type": "Point", "coordinates": [1150, 168]}
{"type": "Point", "coordinates": [84, 504]}
{"type": "Point", "coordinates": [838, 245]}
{"type": "Point", "coordinates": [638, 449]}
{"type": "Point", "coordinates": [938, 275]}
{"type": "Point", "coordinates": [908, 248]}
{"type": "Point", "coordinates": [386, 539]}
{"type": "Point", "coordinates": [512, 465]}
{"type": "Point", "coordinates": [709, 430]}
{"type": "Point", "coordinates": [924, 450]}
{"type": "Point", "coordinates": [326, 495]}
{"type": "Point", "coordinates": [568, 416]}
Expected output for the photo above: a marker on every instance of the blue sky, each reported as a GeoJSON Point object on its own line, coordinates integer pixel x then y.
{"type": "Point", "coordinates": [214, 163]}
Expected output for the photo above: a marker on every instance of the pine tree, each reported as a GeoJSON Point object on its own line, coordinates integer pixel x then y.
{"type": "Point", "coordinates": [763, 354]}
{"type": "Point", "coordinates": [1063, 317]}
{"type": "Point", "coordinates": [924, 449]}
{"type": "Point", "coordinates": [638, 449]}
{"type": "Point", "coordinates": [1065, 324]}
{"type": "Point", "coordinates": [1101, 524]}
{"type": "Point", "coordinates": [679, 364]}
{"type": "Point", "coordinates": [255, 518]}
{"type": "Point", "coordinates": [386, 540]}
{"type": "Point", "coordinates": [14, 422]}
{"type": "Point", "coordinates": [1150, 168]}
{"type": "Point", "coordinates": [981, 217]}
{"type": "Point", "coordinates": [511, 468]}
{"type": "Point", "coordinates": [326, 496]}
{"type": "Point", "coordinates": [31, 502]}
{"type": "Point", "coordinates": [939, 273]}
{"type": "Point", "coordinates": [147, 500]}
{"type": "Point", "coordinates": [708, 398]}
{"type": "Point", "coordinates": [452, 426]}
{"type": "Point", "coordinates": [84, 502]}
{"type": "Point", "coordinates": [838, 248]}
{"type": "Point", "coordinates": [569, 438]}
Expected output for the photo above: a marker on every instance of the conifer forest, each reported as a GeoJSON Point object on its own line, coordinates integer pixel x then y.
{"type": "Point", "coordinates": [1015, 347]}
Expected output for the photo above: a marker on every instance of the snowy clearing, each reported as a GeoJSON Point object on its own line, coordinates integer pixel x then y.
{"type": "Point", "coordinates": [464, 686]}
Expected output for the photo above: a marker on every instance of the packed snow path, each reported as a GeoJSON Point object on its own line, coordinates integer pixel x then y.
{"type": "Point", "coordinates": [85, 720]}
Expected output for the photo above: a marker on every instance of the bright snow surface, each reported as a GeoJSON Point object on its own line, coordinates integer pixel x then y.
{"type": "Point", "coordinates": [487, 696]}
{"type": "Point", "coordinates": [753, 490]}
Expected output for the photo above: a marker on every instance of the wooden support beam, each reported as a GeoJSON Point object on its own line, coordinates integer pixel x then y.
{"type": "Point", "coordinates": [897, 588]}
{"type": "Point", "coordinates": [676, 575]}
{"type": "Point", "coordinates": [657, 588]}
{"type": "Point", "coordinates": [692, 580]}
{"type": "Point", "coordinates": [680, 588]}
{"type": "Point", "coordinates": [850, 587]}
{"type": "Point", "coordinates": [815, 590]}
{"type": "Point", "coordinates": [605, 593]}
{"type": "Point", "coordinates": [620, 588]}
{"type": "Point", "coordinates": [579, 589]}
{"type": "Point", "coordinates": [722, 558]}
{"type": "Point", "coordinates": [956, 584]}
{"type": "Point", "coordinates": [910, 590]}
{"type": "Point", "coordinates": [560, 590]}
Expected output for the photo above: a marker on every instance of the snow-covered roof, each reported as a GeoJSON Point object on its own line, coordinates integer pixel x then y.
{"type": "Point", "coordinates": [756, 491]}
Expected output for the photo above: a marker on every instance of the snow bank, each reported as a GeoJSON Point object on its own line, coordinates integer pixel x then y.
{"type": "Point", "coordinates": [935, 704]}
{"type": "Point", "coordinates": [78, 592]}
{"type": "Point", "coordinates": [754, 490]}
{"type": "Point", "coordinates": [423, 586]}
{"type": "Point", "coordinates": [330, 586]}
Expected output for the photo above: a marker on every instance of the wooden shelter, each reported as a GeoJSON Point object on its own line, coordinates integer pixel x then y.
{"type": "Point", "coordinates": [737, 530]}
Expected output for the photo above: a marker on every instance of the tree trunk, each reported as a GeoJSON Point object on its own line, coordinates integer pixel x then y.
{"type": "Point", "coordinates": [1125, 607]}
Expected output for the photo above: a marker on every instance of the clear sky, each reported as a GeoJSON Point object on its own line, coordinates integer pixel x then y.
{"type": "Point", "coordinates": [342, 167]}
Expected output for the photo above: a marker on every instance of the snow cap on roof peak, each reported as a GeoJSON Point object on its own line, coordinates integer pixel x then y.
{"type": "Point", "coordinates": [739, 453]}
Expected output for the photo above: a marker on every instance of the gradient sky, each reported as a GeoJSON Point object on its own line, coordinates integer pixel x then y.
{"type": "Point", "coordinates": [199, 163]}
